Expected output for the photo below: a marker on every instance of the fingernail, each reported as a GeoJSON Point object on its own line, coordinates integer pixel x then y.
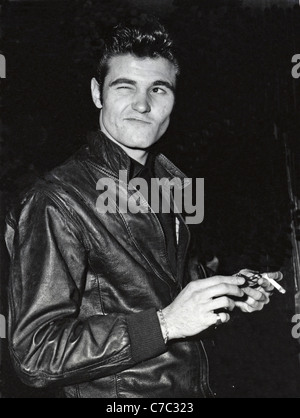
{"type": "Point", "coordinates": [241, 280]}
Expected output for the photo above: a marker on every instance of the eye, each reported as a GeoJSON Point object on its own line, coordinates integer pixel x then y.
{"type": "Point", "coordinates": [124, 88]}
{"type": "Point", "coordinates": [158, 90]}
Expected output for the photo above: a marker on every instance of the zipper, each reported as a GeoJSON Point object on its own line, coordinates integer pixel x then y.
{"type": "Point", "coordinates": [187, 246]}
{"type": "Point", "coordinates": [209, 392]}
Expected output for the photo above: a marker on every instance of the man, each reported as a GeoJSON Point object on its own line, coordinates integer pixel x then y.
{"type": "Point", "coordinates": [99, 301]}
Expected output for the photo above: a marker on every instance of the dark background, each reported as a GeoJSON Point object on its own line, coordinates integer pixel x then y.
{"type": "Point", "coordinates": [236, 103]}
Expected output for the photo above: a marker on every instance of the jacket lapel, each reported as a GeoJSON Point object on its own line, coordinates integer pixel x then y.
{"type": "Point", "coordinates": [165, 169]}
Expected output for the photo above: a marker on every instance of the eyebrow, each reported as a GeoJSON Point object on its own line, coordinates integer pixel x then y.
{"type": "Point", "coordinates": [134, 83]}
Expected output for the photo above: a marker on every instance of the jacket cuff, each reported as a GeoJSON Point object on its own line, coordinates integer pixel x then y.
{"type": "Point", "coordinates": [145, 335]}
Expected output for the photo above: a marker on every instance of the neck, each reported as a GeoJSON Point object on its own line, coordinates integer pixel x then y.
{"type": "Point", "coordinates": [139, 155]}
{"type": "Point", "coordinates": [136, 154]}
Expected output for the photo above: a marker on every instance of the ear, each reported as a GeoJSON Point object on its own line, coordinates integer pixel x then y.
{"type": "Point", "coordinates": [95, 88]}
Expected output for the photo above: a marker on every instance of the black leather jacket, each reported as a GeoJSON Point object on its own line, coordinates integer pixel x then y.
{"type": "Point", "coordinates": [85, 287]}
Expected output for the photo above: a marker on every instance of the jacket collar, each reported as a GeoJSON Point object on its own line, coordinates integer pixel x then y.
{"type": "Point", "coordinates": [111, 157]}
{"type": "Point", "coordinates": [107, 154]}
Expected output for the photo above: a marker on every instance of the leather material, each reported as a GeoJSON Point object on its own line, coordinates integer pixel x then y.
{"type": "Point", "coordinates": [77, 274]}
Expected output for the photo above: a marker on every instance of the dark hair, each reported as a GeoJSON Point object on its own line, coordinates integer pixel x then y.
{"type": "Point", "coordinates": [148, 40]}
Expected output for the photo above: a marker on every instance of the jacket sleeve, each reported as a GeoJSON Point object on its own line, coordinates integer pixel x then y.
{"type": "Point", "coordinates": [49, 345]}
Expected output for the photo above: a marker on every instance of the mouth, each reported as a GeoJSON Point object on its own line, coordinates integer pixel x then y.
{"type": "Point", "coordinates": [136, 120]}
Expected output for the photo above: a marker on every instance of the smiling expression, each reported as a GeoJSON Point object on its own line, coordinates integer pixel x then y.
{"type": "Point", "coordinates": [138, 98]}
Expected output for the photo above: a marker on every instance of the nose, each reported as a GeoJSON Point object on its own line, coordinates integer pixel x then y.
{"type": "Point", "coordinates": [141, 103]}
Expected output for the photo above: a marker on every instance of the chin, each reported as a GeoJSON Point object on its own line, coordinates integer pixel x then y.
{"type": "Point", "coordinates": [141, 143]}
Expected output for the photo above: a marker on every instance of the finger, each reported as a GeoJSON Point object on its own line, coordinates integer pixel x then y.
{"type": "Point", "coordinates": [223, 317]}
{"type": "Point", "coordinates": [244, 307]}
{"type": "Point", "coordinates": [200, 285]}
{"type": "Point", "coordinates": [222, 290]}
{"type": "Point", "coordinates": [255, 304]}
{"type": "Point", "coordinates": [265, 284]}
{"type": "Point", "coordinates": [251, 305]}
{"type": "Point", "coordinates": [257, 295]}
{"type": "Point", "coordinates": [275, 282]}
{"type": "Point", "coordinates": [278, 276]}
{"type": "Point", "coordinates": [247, 272]}
{"type": "Point", "coordinates": [221, 303]}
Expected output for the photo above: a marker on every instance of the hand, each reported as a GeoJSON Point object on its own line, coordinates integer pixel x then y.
{"type": "Point", "coordinates": [258, 297]}
{"type": "Point", "coordinates": [193, 311]}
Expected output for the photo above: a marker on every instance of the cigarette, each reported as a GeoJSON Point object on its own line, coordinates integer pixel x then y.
{"type": "Point", "coordinates": [276, 285]}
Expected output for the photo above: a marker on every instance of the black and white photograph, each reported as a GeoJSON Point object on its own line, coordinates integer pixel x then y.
{"type": "Point", "coordinates": [150, 201]}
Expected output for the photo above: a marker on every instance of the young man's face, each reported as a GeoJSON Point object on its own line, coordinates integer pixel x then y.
{"type": "Point", "coordinates": [138, 98]}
